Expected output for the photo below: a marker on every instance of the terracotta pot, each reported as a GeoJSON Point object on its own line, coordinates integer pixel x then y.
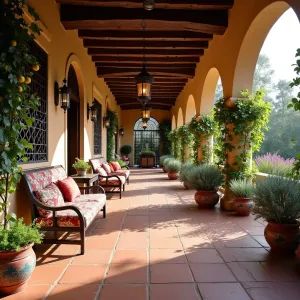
{"type": "Point", "coordinates": [173, 175]}
{"type": "Point", "coordinates": [206, 199]}
{"type": "Point", "coordinates": [282, 237]}
{"type": "Point", "coordinates": [81, 172]}
{"type": "Point", "coordinates": [164, 170]}
{"type": "Point", "coordinates": [16, 269]}
{"type": "Point", "coordinates": [243, 206]}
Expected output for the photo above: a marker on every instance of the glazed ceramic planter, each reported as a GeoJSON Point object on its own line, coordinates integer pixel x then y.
{"type": "Point", "coordinates": [243, 206]}
{"type": "Point", "coordinates": [16, 269]}
{"type": "Point", "coordinates": [173, 175]}
{"type": "Point", "coordinates": [282, 237]}
{"type": "Point", "coordinates": [206, 199]}
{"type": "Point", "coordinates": [81, 172]}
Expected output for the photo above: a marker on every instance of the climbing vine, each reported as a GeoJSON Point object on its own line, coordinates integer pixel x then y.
{"type": "Point", "coordinates": [175, 144]}
{"type": "Point", "coordinates": [202, 128]}
{"type": "Point", "coordinates": [165, 129]}
{"type": "Point", "coordinates": [244, 118]}
{"type": "Point", "coordinates": [185, 139]}
{"type": "Point", "coordinates": [113, 127]}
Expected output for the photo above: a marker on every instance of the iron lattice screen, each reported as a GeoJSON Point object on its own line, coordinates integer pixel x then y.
{"type": "Point", "coordinates": [37, 135]}
{"type": "Point", "coordinates": [98, 129]}
{"type": "Point", "coordinates": [143, 139]}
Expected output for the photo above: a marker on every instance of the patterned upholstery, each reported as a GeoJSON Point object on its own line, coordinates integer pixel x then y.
{"type": "Point", "coordinates": [89, 205]}
{"type": "Point", "coordinates": [125, 173]}
{"type": "Point", "coordinates": [112, 181]}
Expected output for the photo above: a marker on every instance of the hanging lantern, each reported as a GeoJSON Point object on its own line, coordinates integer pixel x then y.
{"type": "Point", "coordinates": [64, 93]}
{"type": "Point", "coordinates": [121, 131]}
{"type": "Point", "coordinates": [148, 4]}
{"type": "Point", "coordinates": [145, 124]}
{"type": "Point", "coordinates": [146, 111]}
{"type": "Point", "coordinates": [93, 111]}
{"type": "Point", "coordinates": [106, 121]}
{"type": "Point", "coordinates": [144, 84]}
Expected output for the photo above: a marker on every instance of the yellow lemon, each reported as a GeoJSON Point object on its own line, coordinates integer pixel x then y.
{"type": "Point", "coordinates": [21, 79]}
{"type": "Point", "coordinates": [13, 43]}
{"type": "Point", "coordinates": [28, 80]}
{"type": "Point", "coordinates": [35, 67]}
{"type": "Point", "coordinates": [6, 68]}
{"type": "Point", "coordinates": [20, 89]}
{"type": "Point", "coordinates": [229, 103]}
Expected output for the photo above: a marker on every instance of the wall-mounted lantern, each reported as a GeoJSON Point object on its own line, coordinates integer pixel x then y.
{"type": "Point", "coordinates": [121, 131]}
{"type": "Point", "coordinates": [62, 95]}
{"type": "Point", "coordinates": [93, 111]}
{"type": "Point", "coordinates": [106, 121]}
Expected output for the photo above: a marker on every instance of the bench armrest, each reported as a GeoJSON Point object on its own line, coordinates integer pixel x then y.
{"type": "Point", "coordinates": [111, 176]}
{"type": "Point", "coordinates": [97, 189]}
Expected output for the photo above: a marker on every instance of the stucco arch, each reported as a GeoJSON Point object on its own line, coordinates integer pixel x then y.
{"type": "Point", "coordinates": [190, 110]}
{"type": "Point", "coordinates": [180, 121]}
{"type": "Point", "coordinates": [252, 44]}
{"type": "Point", "coordinates": [173, 122]}
{"type": "Point", "coordinates": [209, 90]}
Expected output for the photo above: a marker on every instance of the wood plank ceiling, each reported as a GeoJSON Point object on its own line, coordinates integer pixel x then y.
{"type": "Point", "coordinates": [176, 35]}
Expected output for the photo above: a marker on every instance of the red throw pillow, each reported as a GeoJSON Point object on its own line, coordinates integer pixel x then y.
{"type": "Point", "coordinates": [69, 189]}
{"type": "Point", "coordinates": [107, 168]}
{"type": "Point", "coordinates": [115, 165]}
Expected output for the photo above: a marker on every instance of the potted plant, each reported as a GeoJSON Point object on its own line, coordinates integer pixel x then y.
{"type": "Point", "coordinates": [17, 259]}
{"type": "Point", "coordinates": [81, 166]}
{"type": "Point", "coordinates": [161, 161]}
{"type": "Point", "coordinates": [126, 150]}
{"type": "Point", "coordinates": [206, 180]}
{"type": "Point", "coordinates": [185, 170]}
{"type": "Point", "coordinates": [243, 191]}
{"type": "Point", "coordinates": [165, 163]}
{"type": "Point", "coordinates": [173, 168]}
{"type": "Point", "coordinates": [277, 200]}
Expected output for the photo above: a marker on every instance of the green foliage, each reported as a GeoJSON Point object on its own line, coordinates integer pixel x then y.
{"type": "Point", "coordinates": [16, 101]}
{"type": "Point", "coordinates": [165, 129]}
{"type": "Point", "coordinates": [277, 199]}
{"type": "Point", "coordinates": [248, 117]}
{"type": "Point", "coordinates": [173, 165]}
{"type": "Point", "coordinates": [201, 130]}
{"type": "Point", "coordinates": [80, 164]}
{"type": "Point", "coordinates": [242, 188]}
{"type": "Point", "coordinates": [185, 170]}
{"type": "Point", "coordinates": [167, 160]}
{"type": "Point", "coordinates": [185, 139]}
{"type": "Point", "coordinates": [114, 125]}
{"type": "Point", "coordinates": [175, 143]}
{"type": "Point", "coordinates": [19, 235]}
{"type": "Point", "coordinates": [121, 162]}
{"type": "Point", "coordinates": [148, 152]}
{"type": "Point", "coordinates": [162, 159]}
{"type": "Point", "coordinates": [126, 150]}
{"type": "Point", "coordinates": [205, 178]}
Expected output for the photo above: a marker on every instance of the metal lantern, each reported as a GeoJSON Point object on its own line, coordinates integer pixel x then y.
{"type": "Point", "coordinates": [146, 113]}
{"type": "Point", "coordinates": [93, 111]}
{"type": "Point", "coordinates": [144, 84]}
{"type": "Point", "coordinates": [121, 131]}
{"type": "Point", "coordinates": [145, 124]}
{"type": "Point", "coordinates": [148, 4]}
{"type": "Point", "coordinates": [64, 93]}
{"type": "Point", "coordinates": [106, 121]}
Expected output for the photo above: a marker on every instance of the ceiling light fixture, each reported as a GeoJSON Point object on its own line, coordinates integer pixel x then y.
{"type": "Point", "coordinates": [148, 4]}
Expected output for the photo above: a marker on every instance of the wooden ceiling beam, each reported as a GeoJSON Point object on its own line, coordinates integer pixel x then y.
{"type": "Point", "coordinates": [137, 106]}
{"type": "Point", "coordinates": [89, 43]}
{"type": "Point", "coordinates": [157, 80]}
{"type": "Point", "coordinates": [153, 103]}
{"type": "Point", "coordinates": [128, 100]}
{"type": "Point", "coordinates": [149, 65]}
{"type": "Point", "coordinates": [147, 35]}
{"type": "Point", "coordinates": [138, 59]}
{"type": "Point", "coordinates": [115, 18]}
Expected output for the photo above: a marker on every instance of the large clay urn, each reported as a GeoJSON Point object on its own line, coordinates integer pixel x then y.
{"type": "Point", "coordinates": [206, 199]}
{"type": "Point", "coordinates": [282, 237]}
{"type": "Point", "coordinates": [173, 175]}
{"type": "Point", "coordinates": [16, 268]}
{"type": "Point", "coordinates": [243, 206]}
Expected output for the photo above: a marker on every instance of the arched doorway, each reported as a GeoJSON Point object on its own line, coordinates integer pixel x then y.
{"type": "Point", "coordinates": [148, 139]}
{"type": "Point", "coordinates": [73, 120]}
{"type": "Point", "coordinates": [190, 111]}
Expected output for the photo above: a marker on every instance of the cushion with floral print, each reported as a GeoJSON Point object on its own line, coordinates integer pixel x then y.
{"type": "Point", "coordinates": [107, 168]}
{"type": "Point", "coordinates": [101, 172]}
{"type": "Point", "coordinates": [115, 165]}
{"type": "Point", "coordinates": [51, 196]}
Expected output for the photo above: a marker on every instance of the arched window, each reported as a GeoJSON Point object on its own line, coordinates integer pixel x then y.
{"type": "Point", "coordinates": [148, 139]}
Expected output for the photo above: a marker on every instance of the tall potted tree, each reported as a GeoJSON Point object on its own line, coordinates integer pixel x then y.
{"type": "Point", "coordinates": [17, 259]}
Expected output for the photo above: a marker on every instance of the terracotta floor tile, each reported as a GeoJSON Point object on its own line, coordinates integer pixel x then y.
{"type": "Point", "coordinates": [127, 273]}
{"type": "Point", "coordinates": [85, 274]}
{"type": "Point", "coordinates": [196, 242]}
{"type": "Point", "coordinates": [242, 242]}
{"type": "Point", "coordinates": [168, 232]}
{"type": "Point", "coordinates": [46, 274]}
{"type": "Point", "coordinates": [212, 273]}
{"type": "Point", "coordinates": [244, 254]}
{"type": "Point", "coordinates": [103, 233]}
{"type": "Point", "coordinates": [261, 239]}
{"type": "Point", "coordinates": [31, 292]}
{"type": "Point", "coordinates": [124, 292]}
{"type": "Point", "coordinates": [170, 273]}
{"type": "Point", "coordinates": [130, 257]}
{"type": "Point", "coordinates": [167, 256]}
{"type": "Point", "coordinates": [100, 243]}
{"type": "Point", "coordinates": [173, 291]}
{"type": "Point", "coordinates": [257, 230]}
{"type": "Point", "coordinates": [132, 243]}
{"type": "Point", "coordinates": [94, 257]}
{"type": "Point", "coordinates": [72, 292]}
{"type": "Point", "coordinates": [165, 243]}
{"type": "Point", "coordinates": [204, 256]}
{"type": "Point", "coordinates": [224, 291]}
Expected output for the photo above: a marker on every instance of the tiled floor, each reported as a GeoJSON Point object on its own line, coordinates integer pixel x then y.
{"type": "Point", "coordinates": [156, 244]}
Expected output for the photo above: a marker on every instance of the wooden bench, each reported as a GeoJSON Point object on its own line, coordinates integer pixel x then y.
{"type": "Point", "coordinates": [75, 216]}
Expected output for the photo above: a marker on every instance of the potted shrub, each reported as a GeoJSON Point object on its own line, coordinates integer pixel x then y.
{"type": "Point", "coordinates": [126, 150]}
{"type": "Point", "coordinates": [277, 200]}
{"type": "Point", "coordinates": [81, 166]}
{"type": "Point", "coordinates": [243, 191]}
{"type": "Point", "coordinates": [147, 159]}
{"type": "Point", "coordinates": [165, 163]}
{"type": "Point", "coordinates": [185, 170]}
{"type": "Point", "coordinates": [173, 168]}
{"type": "Point", "coordinates": [206, 180]}
{"type": "Point", "coordinates": [161, 161]}
{"type": "Point", "coordinates": [17, 259]}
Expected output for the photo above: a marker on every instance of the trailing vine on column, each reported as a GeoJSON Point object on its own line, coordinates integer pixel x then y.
{"type": "Point", "coordinates": [114, 124]}
{"type": "Point", "coordinates": [202, 128]}
{"type": "Point", "coordinates": [165, 129]}
{"type": "Point", "coordinates": [185, 139]}
{"type": "Point", "coordinates": [175, 143]}
{"type": "Point", "coordinates": [247, 118]}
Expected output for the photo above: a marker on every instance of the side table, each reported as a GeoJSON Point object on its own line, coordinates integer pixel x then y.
{"type": "Point", "coordinates": [88, 179]}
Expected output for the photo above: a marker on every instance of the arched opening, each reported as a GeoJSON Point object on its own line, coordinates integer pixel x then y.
{"type": "Point", "coordinates": [212, 90]}
{"type": "Point", "coordinates": [180, 118]}
{"type": "Point", "coordinates": [146, 139]}
{"type": "Point", "coordinates": [190, 111]}
{"type": "Point", "coordinates": [173, 123]}
{"type": "Point", "coordinates": [252, 44]}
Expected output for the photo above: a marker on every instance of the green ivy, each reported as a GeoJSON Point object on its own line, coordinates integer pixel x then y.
{"type": "Point", "coordinates": [113, 127]}
{"type": "Point", "coordinates": [249, 117]}
{"type": "Point", "coordinates": [185, 139]}
{"type": "Point", "coordinates": [201, 129]}
{"type": "Point", "coordinates": [16, 100]}
{"type": "Point", "coordinates": [165, 129]}
{"type": "Point", "coordinates": [175, 143]}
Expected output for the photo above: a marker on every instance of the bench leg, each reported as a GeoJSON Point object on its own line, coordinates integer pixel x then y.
{"type": "Point", "coordinates": [128, 180]}
{"type": "Point", "coordinates": [120, 192]}
{"type": "Point", "coordinates": [104, 211]}
{"type": "Point", "coordinates": [82, 240]}
{"type": "Point", "coordinates": [124, 187]}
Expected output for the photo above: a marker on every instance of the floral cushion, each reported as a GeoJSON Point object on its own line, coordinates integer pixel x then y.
{"type": "Point", "coordinates": [101, 171]}
{"type": "Point", "coordinates": [51, 196]}
{"type": "Point", "coordinates": [107, 168]}
{"type": "Point", "coordinates": [125, 173]}
{"type": "Point", "coordinates": [89, 205]}
{"type": "Point", "coordinates": [112, 181]}
{"type": "Point", "coordinates": [115, 165]}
